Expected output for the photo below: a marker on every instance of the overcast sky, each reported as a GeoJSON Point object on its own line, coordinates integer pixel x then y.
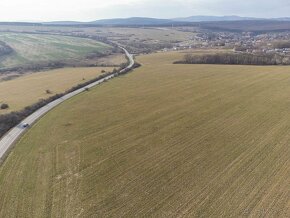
{"type": "Point", "coordinates": [88, 10]}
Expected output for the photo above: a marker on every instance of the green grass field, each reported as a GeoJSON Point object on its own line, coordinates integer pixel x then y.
{"type": "Point", "coordinates": [163, 141]}
{"type": "Point", "coordinates": [40, 49]}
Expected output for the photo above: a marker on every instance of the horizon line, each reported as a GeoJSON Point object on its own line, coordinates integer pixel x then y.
{"type": "Point", "coordinates": [88, 21]}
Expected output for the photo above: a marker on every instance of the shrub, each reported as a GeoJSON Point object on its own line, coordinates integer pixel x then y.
{"type": "Point", "coordinates": [4, 106]}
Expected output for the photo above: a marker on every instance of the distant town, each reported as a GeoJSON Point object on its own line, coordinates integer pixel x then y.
{"type": "Point", "coordinates": [246, 42]}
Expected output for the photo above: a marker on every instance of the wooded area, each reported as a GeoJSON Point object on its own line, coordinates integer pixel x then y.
{"type": "Point", "coordinates": [235, 59]}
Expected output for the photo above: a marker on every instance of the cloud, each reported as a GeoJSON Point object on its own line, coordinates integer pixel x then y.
{"type": "Point", "coordinates": [256, 8]}
{"type": "Point", "coordinates": [86, 10]}
{"type": "Point", "coordinates": [180, 8]}
{"type": "Point", "coordinates": [52, 9]}
{"type": "Point", "coordinates": [150, 8]}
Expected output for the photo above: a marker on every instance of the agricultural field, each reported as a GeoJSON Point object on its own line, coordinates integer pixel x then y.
{"type": "Point", "coordinates": [35, 85]}
{"type": "Point", "coordinates": [163, 141]}
{"type": "Point", "coordinates": [42, 49]}
{"type": "Point", "coordinates": [151, 34]}
{"type": "Point", "coordinates": [137, 40]}
{"type": "Point", "coordinates": [144, 40]}
{"type": "Point", "coordinates": [146, 34]}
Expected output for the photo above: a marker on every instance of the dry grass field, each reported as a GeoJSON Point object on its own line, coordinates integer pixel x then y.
{"type": "Point", "coordinates": [112, 60]}
{"type": "Point", "coordinates": [28, 89]}
{"type": "Point", "coordinates": [164, 141]}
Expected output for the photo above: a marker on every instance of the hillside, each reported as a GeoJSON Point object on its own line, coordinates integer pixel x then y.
{"type": "Point", "coordinates": [37, 51]}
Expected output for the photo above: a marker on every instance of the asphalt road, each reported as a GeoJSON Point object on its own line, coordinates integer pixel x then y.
{"type": "Point", "coordinates": [14, 134]}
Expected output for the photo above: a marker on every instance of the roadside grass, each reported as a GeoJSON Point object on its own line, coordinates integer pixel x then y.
{"type": "Point", "coordinates": [40, 48]}
{"type": "Point", "coordinates": [28, 89]}
{"type": "Point", "coordinates": [164, 141]}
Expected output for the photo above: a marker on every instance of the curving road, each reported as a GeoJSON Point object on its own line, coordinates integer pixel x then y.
{"type": "Point", "coordinates": [14, 134]}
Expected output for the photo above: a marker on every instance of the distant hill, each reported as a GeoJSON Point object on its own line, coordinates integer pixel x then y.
{"type": "Point", "coordinates": [214, 18]}
{"type": "Point", "coordinates": [64, 23]}
{"type": "Point", "coordinates": [247, 25]}
{"type": "Point", "coordinates": [281, 19]}
{"type": "Point", "coordinates": [200, 20]}
{"type": "Point", "coordinates": [226, 18]}
{"type": "Point", "coordinates": [132, 21]}
{"type": "Point", "coordinates": [135, 21]}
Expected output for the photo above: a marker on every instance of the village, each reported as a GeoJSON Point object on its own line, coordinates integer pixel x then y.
{"type": "Point", "coordinates": [240, 42]}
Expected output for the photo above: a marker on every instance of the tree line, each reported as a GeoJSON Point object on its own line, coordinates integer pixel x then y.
{"type": "Point", "coordinates": [281, 44]}
{"type": "Point", "coordinates": [235, 59]}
